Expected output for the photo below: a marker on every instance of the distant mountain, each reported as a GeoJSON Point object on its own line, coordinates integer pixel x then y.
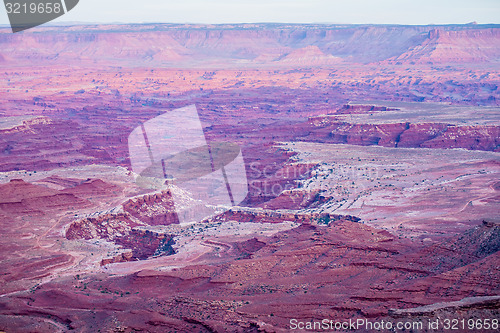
{"type": "Point", "coordinates": [482, 45]}
{"type": "Point", "coordinates": [291, 45]}
{"type": "Point", "coordinates": [309, 56]}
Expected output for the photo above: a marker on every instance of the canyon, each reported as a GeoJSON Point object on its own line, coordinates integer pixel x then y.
{"type": "Point", "coordinates": [371, 154]}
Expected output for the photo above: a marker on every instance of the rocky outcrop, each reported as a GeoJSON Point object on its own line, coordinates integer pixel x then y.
{"type": "Point", "coordinates": [154, 209]}
{"type": "Point", "coordinates": [122, 229]}
{"type": "Point", "coordinates": [307, 57]}
{"type": "Point", "coordinates": [278, 216]}
{"type": "Point", "coordinates": [109, 226]}
{"type": "Point", "coordinates": [417, 135]}
{"type": "Point", "coordinates": [296, 199]}
{"type": "Point", "coordinates": [19, 197]}
{"type": "Point", "coordinates": [359, 109]}
{"type": "Point", "coordinates": [404, 135]}
{"type": "Point", "coordinates": [256, 44]}
{"type": "Point", "coordinates": [276, 275]}
{"type": "Point", "coordinates": [462, 250]}
{"type": "Point", "coordinates": [468, 304]}
{"type": "Point", "coordinates": [475, 314]}
{"type": "Point", "coordinates": [121, 257]}
{"type": "Point", "coordinates": [249, 246]}
{"type": "Point", "coordinates": [145, 244]}
{"type": "Point", "coordinates": [462, 46]}
{"type": "Point", "coordinates": [92, 188]}
{"type": "Point", "coordinates": [42, 144]}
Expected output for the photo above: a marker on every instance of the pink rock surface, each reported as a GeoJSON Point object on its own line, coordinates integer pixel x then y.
{"type": "Point", "coordinates": [83, 248]}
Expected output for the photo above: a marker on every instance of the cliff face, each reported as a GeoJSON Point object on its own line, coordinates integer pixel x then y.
{"type": "Point", "coordinates": [404, 135]}
{"type": "Point", "coordinates": [271, 216]}
{"type": "Point", "coordinates": [121, 229]}
{"type": "Point", "coordinates": [355, 271]}
{"type": "Point", "coordinates": [410, 135]}
{"type": "Point", "coordinates": [290, 45]}
{"type": "Point", "coordinates": [468, 137]}
{"type": "Point", "coordinates": [106, 226]}
{"type": "Point", "coordinates": [465, 46]}
{"type": "Point", "coordinates": [19, 197]}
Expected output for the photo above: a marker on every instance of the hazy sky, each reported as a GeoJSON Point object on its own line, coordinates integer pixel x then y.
{"type": "Point", "coordinates": [293, 11]}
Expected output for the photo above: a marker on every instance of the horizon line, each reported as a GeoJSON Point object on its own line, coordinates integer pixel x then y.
{"type": "Point", "coordinates": [76, 23]}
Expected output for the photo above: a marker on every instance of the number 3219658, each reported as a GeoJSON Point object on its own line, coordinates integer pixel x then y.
{"type": "Point", "coordinates": [471, 324]}
{"type": "Point", "coordinates": [33, 8]}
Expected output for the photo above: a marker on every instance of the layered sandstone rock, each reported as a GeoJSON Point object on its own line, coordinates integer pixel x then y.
{"type": "Point", "coordinates": [19, 197]}
{"type": "Point", "coordinates": [466, 46]}
{"type": "Point", "coordinates": [311, 268]}
{"type": "Point", "coordinates": [406, 135]}
{"type": "Point", "coordinates": [281, 44]}
{"type": "Point", "coordinates": [121, 229]}
{"type": "Point", "coordinates": [278, 216]}
{"type": "Point", "coordinates": [154, 209]}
